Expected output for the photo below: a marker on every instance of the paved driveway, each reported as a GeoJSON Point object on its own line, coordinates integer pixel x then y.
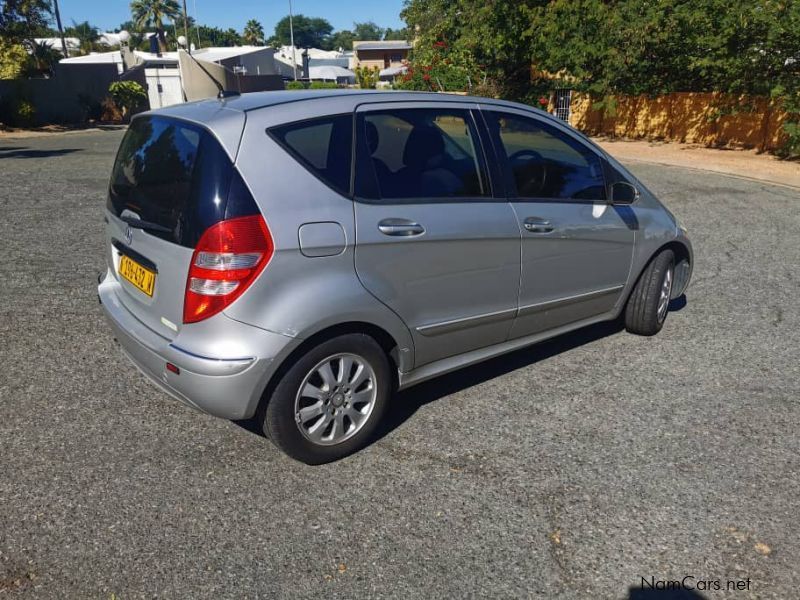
{"type": "Point", "coordinates": [570, 470]}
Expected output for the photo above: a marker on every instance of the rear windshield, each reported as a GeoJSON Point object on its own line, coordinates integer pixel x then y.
{"type": "Point", "coordinates": [173, 174]}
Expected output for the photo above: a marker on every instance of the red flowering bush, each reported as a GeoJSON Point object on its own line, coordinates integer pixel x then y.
{"type": "Point", "coordinates": [440, 67]}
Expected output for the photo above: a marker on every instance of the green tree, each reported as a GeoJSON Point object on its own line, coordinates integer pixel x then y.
{"type": "Point", "coordinates": [43, 58]}
{"type": "Point", "coordinates": [151, 13]}
{"type": "Point", "coordinates": [396, 34]}
{"type": "Point", "coordinates": [253, 33]}
{"type": "Point", "coordinates": [367, 31]}
{"type": "Point", "coordinates": [489, 35]}
{"type": "Point", "coordinates": [309, 32]}
{"type": "Point", "coordinates": [13, 59]}
{"type": "Point", "coordinates": [342, 39]}
{"type": "Point", "coordinates": [86, 33]}
{"type": "Point", "coordinates": [128, 96]}
{"type": "Point", "coordinates": [21, 20]}
{"type": "Point", "coordinates": [367, 77]}
{"type": "Point", "coordinates": [214, 36]}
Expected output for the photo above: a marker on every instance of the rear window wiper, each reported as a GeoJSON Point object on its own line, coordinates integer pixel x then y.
{"type": "Point", "coordinates": [146, 225]}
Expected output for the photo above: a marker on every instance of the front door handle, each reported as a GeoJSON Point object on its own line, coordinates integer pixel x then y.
{"type": "Point", "coordinates": [537, 225]}
{"type": "Point", "coordinates": [400, 227]}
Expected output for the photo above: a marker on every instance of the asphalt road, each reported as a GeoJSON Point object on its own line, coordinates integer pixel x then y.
{"type": "Point", "coordinates": [570, 470]}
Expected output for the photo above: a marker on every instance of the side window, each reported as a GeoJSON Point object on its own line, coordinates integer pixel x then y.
{"type": "Point", "coordinates": [542, 162]}
{"type": "Point", "coordinates": [422, 153]}
{"type": "Point", "coordinates": [323, 146]}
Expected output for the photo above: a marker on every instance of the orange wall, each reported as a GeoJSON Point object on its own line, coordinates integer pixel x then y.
{"type": "Point", "coordinates": [711, 119]}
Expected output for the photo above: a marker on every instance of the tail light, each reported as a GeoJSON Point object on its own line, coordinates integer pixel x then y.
{"type": "Point", "coordinates": [227, 259]}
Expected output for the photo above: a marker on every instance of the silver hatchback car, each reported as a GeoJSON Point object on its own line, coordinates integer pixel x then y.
{"type": "Point", "coordinates": [298, 256]}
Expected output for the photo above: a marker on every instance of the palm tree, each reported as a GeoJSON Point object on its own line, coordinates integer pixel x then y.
{"type": "Point", "coordinates": [253, 33]}
{"type": "Point", "coordinates": [87, 35]}
{"type": "Point", "coordinates": [151, 13]}
{"type": "Point", "coordinates": [43, 58]}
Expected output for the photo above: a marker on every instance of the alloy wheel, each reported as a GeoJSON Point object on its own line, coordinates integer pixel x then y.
{"type": "Point", "coordinates": [335, 399]}
{"type": "Point", "coordinates": [666, 292]}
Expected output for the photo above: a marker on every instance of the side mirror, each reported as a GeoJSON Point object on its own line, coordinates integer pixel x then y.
{"type": "Point", "coordinates": [623, 192]}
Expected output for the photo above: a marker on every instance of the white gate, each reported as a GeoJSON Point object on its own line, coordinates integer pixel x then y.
{"type": "Point", "coordinates": [563, 102]}
{"type": "Point", "coordinates": [163, 87]}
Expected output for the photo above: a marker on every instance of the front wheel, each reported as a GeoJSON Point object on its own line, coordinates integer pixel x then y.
{"type": "Point", "coordinates": [648, 304]}
{"type": "Point", "coordinates": [329, 402]}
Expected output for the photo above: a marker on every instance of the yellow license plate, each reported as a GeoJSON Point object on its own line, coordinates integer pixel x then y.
{"type": "Point", "coordinates": [142, 278]}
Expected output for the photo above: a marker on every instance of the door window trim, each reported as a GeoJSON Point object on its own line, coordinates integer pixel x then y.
{"type": "Point", "coordinates": [348, 193]}
{"type": "Point", "coordinates": [507, 178]}
{"type": "Point", "coordinates": [362, 181]}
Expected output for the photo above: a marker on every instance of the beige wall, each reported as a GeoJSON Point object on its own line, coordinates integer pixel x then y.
{"type": "Point", "coordinates": [375, 58]}
{"type": "Point", "coordinates": [711, 119]}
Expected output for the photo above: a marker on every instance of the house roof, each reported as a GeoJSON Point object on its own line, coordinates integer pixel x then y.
{"type": "Point", "coordinates": [115, 57]}
{"type": "Point", "coordinates": [95, 58]}
{"type": "Point", "coordinates": [284, 54]}
{"type": "Point", "coordinates": [392, 71]}
{"type": "Point", "coordinates": [215, 54]}
{"type": "Point", "coordinates": [382, 45]}
{"type": "Point", "coordinates": [72, 43]}
{"type": "Point", "coordinates": [330, 73]}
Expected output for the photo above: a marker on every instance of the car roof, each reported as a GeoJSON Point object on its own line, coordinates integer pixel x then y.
{"type": "Point", "coordinates": [225, 117]}
{"type": "Point", "coordinates": [257, 100]}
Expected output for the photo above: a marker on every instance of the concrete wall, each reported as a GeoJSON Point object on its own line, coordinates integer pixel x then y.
{"type": "Point", "coordinates": [197, 85]}
{"type": "Point", "coordinates": [256, 63]}
{"type": "Point", "coordinates": [711, 119]}
{"type": "Point", "coordinates": [57, 100]}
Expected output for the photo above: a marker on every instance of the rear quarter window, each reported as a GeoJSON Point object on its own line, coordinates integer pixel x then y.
{"type": "Point", "coordinates": [324, 146]}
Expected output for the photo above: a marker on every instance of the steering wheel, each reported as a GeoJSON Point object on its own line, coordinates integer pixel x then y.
{"type": "Point", "coordinates": [530, 172]}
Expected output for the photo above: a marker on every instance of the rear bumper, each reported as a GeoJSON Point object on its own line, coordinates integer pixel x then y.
{"type": "Point", "coordinates": [227, 387]}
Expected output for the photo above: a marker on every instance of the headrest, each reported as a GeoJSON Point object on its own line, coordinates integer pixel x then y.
{"type": "Point", "coordinates": [424, 143]}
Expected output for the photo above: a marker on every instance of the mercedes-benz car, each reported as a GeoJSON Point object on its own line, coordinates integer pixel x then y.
{"type": "Point", "coordinates": [297, 257]}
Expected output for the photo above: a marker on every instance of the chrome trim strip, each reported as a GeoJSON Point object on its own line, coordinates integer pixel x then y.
{"type": "Point", "coordinates": [466, 322]}
{"type": "Point", "coordinates": [244, 359]}
{"type": "Point", "coordinates": [558, 302]}
{"type": "Point", "coordinates": [446, 365]}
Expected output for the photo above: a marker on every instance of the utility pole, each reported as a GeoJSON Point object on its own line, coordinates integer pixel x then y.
{"type": "Point", "coordinates": [291, 40]}
{"type": "Point", "coordinates": [186, 27]}
{"type": "Point", "coordinates": [60, 29]}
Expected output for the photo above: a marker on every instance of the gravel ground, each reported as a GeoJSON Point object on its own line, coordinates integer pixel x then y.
{"type": "Point", "coordinates": [569, 470]}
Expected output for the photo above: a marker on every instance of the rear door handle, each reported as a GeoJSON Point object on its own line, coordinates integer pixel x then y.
{"type": "Point", "coordinates": [400, 227]}
{"type": "Point", "coordinates": [537, 225]}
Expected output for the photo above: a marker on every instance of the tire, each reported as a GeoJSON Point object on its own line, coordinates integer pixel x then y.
{"type": "Point", "coordinates": [306, 425]}
{"type": "Point", "coordinates": [642, 314]}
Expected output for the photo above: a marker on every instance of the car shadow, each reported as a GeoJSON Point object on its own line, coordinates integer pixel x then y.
{"type": "Point", "coordinates": [407, 402]}
{"type": "Point", "coordinates": [18, 152]}
{"type": "Point", "coordinates": [678, 304]}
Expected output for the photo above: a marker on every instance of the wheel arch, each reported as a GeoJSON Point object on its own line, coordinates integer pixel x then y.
{"type": "Point", "coordinates": [683, 268]}
{"type": "Point", "coordinates": [384, 339]}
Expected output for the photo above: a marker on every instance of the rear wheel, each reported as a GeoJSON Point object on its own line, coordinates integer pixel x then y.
{"type": "Point", "coordinates": [329, 402]}
{"type": "Point", "coordinates": [648, 304]}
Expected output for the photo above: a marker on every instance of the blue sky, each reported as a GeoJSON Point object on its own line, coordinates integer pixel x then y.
{"type": "Point", "coordinates": [235, 13]}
